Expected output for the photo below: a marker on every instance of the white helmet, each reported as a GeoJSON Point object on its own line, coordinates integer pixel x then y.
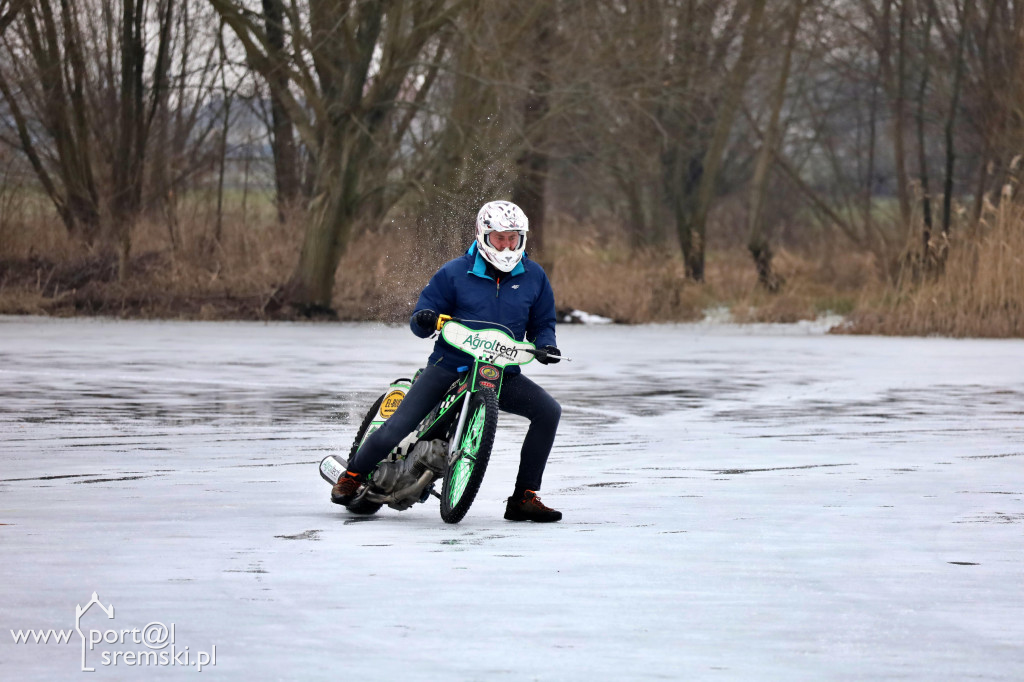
{"type": "Point", "coordinates": [501, 216]}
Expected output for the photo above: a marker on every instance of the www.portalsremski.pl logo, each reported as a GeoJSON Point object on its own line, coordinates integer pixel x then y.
{"type": "Point", "coordinates": [154, 643]}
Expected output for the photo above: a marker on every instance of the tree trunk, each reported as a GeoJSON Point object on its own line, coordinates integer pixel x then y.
{"type": "Point", "coordinates": [365, 58]}
{"type": "Point", "coordinates": [11, 14]}
{"type": "Point", "coordinates": [66, 116]}
{"type": "Point", "coordinates": [158, 194]}
{"type": "Point", "coordinates": [131, 133]}
{"type": "Point", "coordinates": [757, 240]}
{"type": "Point", "coordinates": [694, 233]}
{"type": "Point", "coordinates": [922, 156]}
{"type": "Point", "coordinates": [899, 124]}
{"type": "Point", "coordinates": [895, 84]}
{"type": "Point", "coordinates": [528, 194]}
{"type": "Point", "coordinates": [637, 225]}
{"type": "Point", "coordinates": [954, 105]}
{"type": "Point", "coordinates": [683, 176]}
{"type": "Point", "coordinates": [135, 120]}
{"type": "Point", "coordinates": [329, 224]}
{"type": "Point", "coordinates": [328, 227]}
{"type": "Point", "coordinates": [996, 121]}
{"type": "Point", "coordinates": [286, 161]}
{"type": "Point", "coordinates": [532, 164]}
{"type": "Point", "coordinates": [218, 229]}
{"type": "Point", "coordinates": [869, 181]}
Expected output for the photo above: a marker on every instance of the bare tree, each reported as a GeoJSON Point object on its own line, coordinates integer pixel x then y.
{"type": "Point", "coordinates": [993, 112]}
{"type": "Point", "coordinates": [493, 118]}
{"type": "Point", "coordinates": [286, 159]}
{"type": "Point", "coordinates": [693, 230]}
{"type": "Point", "coordinates": [638, 133]}
{"type": "Point", "coordinates": [532, 163]}
{"type": "Point", "coordinates": [920, 120]}
{"type": "Point", "coordinates": [360, 68]}
{"type": "Point", "coordinates": [951, 117]}
{"type": "Point", "coordinates": [8, 11]}
{"type": "Point", "coordinates": [137, 109]}
{"type": "Point", "coordinates": [47, 107]}
{"type": "Point", "coordinates": [82, 83]}
{"type": "Point", "coordinates": [757, 240]}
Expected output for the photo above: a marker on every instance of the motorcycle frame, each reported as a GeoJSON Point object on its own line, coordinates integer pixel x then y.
{"type": "Point", "coordinates": [479, 376]}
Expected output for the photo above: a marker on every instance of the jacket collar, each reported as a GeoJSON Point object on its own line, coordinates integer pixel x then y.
{"type": "Point", "coordinates": [480, 265]}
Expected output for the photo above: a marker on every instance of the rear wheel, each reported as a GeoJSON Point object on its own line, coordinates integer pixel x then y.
{"type": "Point", "coordinates": [363, 507]}
{"type": "Point", "coordinates": [463, 477]}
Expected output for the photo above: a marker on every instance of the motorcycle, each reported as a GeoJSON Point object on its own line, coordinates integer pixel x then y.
{"type": "Point", "coordinates": [453, 442]}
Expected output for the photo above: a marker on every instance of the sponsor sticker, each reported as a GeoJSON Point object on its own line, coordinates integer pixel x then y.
{"type": "Point", "coordinates": [391, 402]}
{"type": "Point", "coordinates": [487, 384]}
{"type": "Point", "coordinates": [331, 470]}
{"type": "Point", "coordinates": [496, 346]}
{"type": "Point", "coordinates": [489, 372]}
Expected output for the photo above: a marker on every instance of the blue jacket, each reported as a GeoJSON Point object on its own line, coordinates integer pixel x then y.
{"type": "Point", "coordinates": [468, 289]}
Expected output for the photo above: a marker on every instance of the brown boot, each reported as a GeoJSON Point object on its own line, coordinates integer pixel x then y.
{"type": "Point", "coordinates": [345, 490]}
{"type": "Point", "coordinates": [528, 507]}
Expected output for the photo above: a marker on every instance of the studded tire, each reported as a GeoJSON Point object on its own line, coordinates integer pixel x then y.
{"type": "Point", "coordinates": [362, 507]}
{"type": "Point", "coordinates": [463, 477]}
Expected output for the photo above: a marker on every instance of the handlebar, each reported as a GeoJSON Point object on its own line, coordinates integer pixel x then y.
{"type": "Point", "coordinates": [538, 352]}
{"type": "Point", "coordinates": [442, 320]}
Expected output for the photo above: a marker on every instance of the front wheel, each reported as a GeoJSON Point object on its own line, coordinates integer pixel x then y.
{"type": "Point", "coordinates": [463, 476]}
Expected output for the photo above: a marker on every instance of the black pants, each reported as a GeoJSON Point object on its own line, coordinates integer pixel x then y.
{"type": "Point", "coordinates": [519, 395]}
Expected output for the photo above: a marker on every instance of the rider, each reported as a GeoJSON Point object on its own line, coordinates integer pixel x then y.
{"type": "Point", "coordinates": [494, 282]}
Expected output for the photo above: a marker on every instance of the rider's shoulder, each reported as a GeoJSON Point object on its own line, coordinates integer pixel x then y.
{"type": "Point", "coordinates": [452, 266]}
{"type": "Point", "coordinates": [457, 265]}
{"type": "Point", "coordinates": [532, 266]}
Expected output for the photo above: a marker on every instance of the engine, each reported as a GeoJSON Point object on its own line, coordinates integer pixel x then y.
{"type": "Point", "coordinates": [398, 476]}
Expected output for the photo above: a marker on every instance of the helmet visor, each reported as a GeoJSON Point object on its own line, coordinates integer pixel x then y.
{"type": "Point", "coordinates": [499, 241]}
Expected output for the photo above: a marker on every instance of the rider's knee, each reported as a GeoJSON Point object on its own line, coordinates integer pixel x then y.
{"type": "Point", "coordinates": [550, 412]}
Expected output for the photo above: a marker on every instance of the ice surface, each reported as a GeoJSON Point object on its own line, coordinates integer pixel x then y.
{"type": "Point", "coordinates": [741, 502]}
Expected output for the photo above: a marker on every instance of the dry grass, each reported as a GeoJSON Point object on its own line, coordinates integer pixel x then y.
{"type": "Point", "coordinates": [643, 286]}
{"type": "Point", "coordinates": [43, 271]}
{"type": "Point", "coordinates": [382, 273]}
{"type": "Point", "coordinates": [977, 292]}
{"type": "Point", "coordinates": [380, 277]}
{"type": "Point", "coordinates": [812, 286]}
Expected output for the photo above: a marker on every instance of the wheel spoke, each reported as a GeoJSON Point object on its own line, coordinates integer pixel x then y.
{"type": "Point", "coordinates": [470, 445]}
{"type": "Point", "coordinates": [472, 453]}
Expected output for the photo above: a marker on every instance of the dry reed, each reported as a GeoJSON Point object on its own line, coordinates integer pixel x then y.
{"type": "Point", "coordinates": [977, 291]}
{"type": "Point", "coordinates": [980, 292]}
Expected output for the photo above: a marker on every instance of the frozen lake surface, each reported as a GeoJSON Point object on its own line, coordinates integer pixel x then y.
{"type": "Point", "coordinates": [741, 503]}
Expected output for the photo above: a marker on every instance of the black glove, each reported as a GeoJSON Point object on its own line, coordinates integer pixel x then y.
{"type": "Point", "coordinates": [425, 320]}
{"type": "Point", "coordinates": [548, 355]}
